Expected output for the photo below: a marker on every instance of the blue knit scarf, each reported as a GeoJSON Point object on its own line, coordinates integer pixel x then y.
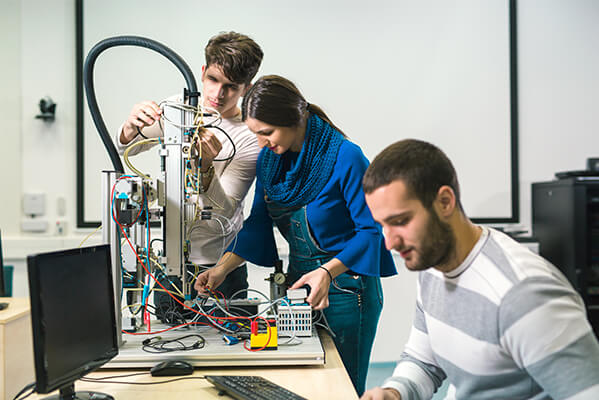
{"type": "Point", "coordinates": [312, 170]}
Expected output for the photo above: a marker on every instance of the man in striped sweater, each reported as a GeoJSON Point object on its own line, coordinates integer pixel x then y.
{"type": "Point", "coordinates": [495, 319]}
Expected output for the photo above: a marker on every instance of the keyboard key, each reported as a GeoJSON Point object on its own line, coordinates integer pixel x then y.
{"type": "Point", "coordinates": [251, 387]}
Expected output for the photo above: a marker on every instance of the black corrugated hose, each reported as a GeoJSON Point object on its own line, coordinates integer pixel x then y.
{"type": "Point", "coordinates": [88, 83]}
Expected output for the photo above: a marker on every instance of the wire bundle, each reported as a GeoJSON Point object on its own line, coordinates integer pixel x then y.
{"type": "Point", "coordinates": [159, 345]}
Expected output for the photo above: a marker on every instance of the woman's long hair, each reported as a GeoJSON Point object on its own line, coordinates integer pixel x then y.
{"type": "Point", "coordinates": [277, 101]}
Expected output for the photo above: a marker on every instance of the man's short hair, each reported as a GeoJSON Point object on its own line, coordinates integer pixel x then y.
{"type": "Point", "coordinates": [237, 54]}
{"type": "Point", "coordinates": [422, 166]}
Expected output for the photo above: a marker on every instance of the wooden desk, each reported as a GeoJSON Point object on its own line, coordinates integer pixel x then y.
{"type": "Point", "coordinates": [16, 347]}
{"type": "Point", "coordinates": [328, 381]}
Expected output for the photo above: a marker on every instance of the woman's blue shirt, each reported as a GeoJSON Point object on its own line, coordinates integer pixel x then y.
{"type": "Point", "coordinates": [339, 220]}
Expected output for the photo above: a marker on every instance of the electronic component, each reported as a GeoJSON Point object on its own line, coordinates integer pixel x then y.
{"type": "Point", "coordinates": [266, 338]}
{"type": "Point", "coordinates": [296, 318]}
{"type": "Point", "coordinates": [230, 340]}
{"type": "Point", "coordinates": [278, 281]}
{"type": "Point", "coordinates": [248, 305]}
{"type": "Point", "coordinates": [297, 296]}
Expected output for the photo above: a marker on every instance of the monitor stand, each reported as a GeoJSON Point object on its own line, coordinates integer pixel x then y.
{"type": "Point", "coordinates": [68, 393]}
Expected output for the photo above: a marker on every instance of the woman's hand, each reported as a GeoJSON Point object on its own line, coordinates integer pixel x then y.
{"type": "Point", "coordinates": [210, 279]}
{"type": "Point", "coordinates": [215, 276]}
{"type": "Point", "coordinates": [319, 282]}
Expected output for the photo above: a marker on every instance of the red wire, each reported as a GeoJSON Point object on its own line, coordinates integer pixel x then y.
{"type": "Point", "coordinates": [159, 284]}
{"type": "Point", "coordinates": [112, 198]}
{"type": "Point", "coordinates": [164, 330]}
{"type": "Point", "coordinates": [267, 340]}
{"type": "Point", "coordinates": [171, 295]}
{"type": "Point", "coordinates": [215, 292]}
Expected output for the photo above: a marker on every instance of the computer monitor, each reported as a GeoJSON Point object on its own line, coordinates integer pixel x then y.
{"type": "Point", "coordinates": [2, 284]}
{"type": "Point", "coordinates": [72, 317]}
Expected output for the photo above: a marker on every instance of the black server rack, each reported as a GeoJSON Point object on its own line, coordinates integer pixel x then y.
{"type": "Point", "coordinates": [565, 220]}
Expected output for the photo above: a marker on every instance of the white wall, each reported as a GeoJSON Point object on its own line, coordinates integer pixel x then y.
{"type": "Point", "coordinates": [559, 89]}
{"type": "Point", "coordinates": [10, 113]}
{"type": "Point", "coordinates": [443, 75]}
{"type": "Point", "coordinates": [559, 123]}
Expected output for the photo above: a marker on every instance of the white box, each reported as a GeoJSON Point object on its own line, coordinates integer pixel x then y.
{"type": "Point", "coordinates": [298, 319]}
{"type": "Point", "coordinates": [34, 225]}
{"type": "Point", "coordinates": [34, 204]}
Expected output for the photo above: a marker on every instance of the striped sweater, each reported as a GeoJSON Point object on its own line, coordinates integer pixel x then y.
{"type": "Point", "coordinates": [505, 324]}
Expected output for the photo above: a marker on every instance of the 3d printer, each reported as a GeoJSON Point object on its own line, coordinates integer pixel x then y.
{"type": "Point", "coordinates": [133, 203]}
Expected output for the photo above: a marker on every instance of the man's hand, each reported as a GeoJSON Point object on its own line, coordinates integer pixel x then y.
{"type": "Point", "coordinates": [381, 394]}
{"type": "Point", "coordinates": [210, 147]}
{"type": "Point", "coordinates": [142, 115]}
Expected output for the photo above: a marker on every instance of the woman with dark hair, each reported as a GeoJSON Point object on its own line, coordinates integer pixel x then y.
{"type": "Point", "coordinates": [309, 185]}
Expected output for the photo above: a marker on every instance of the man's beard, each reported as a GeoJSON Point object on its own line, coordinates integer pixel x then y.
{"type": "Point", "coordinates": [438, 245]}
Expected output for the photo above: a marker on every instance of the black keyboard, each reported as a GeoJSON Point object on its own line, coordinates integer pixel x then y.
{"type": "Point", "coordinates": [251, 387]}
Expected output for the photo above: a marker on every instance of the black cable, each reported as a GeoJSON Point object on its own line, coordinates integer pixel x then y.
{"type": "Point", "coordinates": [148, 306]}
{"type": "Point", "coordinates": [88, 82]}
{"type": "Point", "coordinates": [170, 315]}
{"type": "Point", "coordinates": [158, 345]}
{"type": "Point", "coordinates": [167, 310]}
{"type": "Point", "coordinates": [27, 395]}
{"type": "Point", "coordinates": [230, 140]}
{"type": "Point", "coordinates": [140, 307]}
{"type": "Point", "coordinates": [141, 134]}
{"type": "Point", "coordinates": [26, 388]}
{"type": "Point", "coordinates": [240, 311]}
{"type": "Point", "coordinates": [84, 379]}
{"type": "Point", "coordinates": [120, 376]}
{"type": "Point", "coordinates": [155, 239]}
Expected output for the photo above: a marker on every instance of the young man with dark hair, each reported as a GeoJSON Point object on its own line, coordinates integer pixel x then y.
{"type": "Point", "coordinates": [495, 319]}
{"type": "Point", "coordinates": [232, 61]}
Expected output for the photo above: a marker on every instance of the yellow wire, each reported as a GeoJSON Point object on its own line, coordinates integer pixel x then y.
{"type": "Point", "coordinates": [172, 284]}
{"type": "Point", "coordinates": [131, 147]}
{"type": "Point", "coordinates": [169, 291]}
{"type": "Point", "coordinates": [88, 236]}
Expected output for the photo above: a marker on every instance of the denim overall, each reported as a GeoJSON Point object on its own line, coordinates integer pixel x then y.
{"type": "Point", "coordinates": [353, 312]}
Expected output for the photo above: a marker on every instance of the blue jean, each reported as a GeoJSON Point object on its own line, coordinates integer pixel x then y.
{"type": "Point", "coordinates": [353, 311]}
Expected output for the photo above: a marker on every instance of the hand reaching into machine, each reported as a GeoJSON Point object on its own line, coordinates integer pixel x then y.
{"type": "Point", "coordinates": [210, 279]}
{"type": "Point", "coordinates": [215, 276]}
{"type": "Point", "coordinates": [142, 115]}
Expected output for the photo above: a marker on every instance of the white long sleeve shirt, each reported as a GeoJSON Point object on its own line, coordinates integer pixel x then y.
{"type": "Point", "coordinates": [226, 193]}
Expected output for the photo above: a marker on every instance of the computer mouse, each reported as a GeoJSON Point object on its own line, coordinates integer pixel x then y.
{"type": "Point", "coordinates": [172, 368]}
